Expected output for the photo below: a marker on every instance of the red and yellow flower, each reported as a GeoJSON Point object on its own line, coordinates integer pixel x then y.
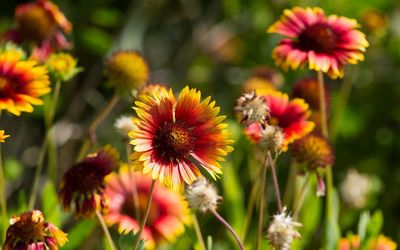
{"type": "Point", "coordinates": [22, 82]}
{"type": "Point", "coordinates": [29, 231]}
{"type": "Point", "coordinates": [175, 134]}
{"type": "Point", "coordinates": [289, 115]}
{"type": "Point", "coordinates": [324, 43]}
{"type": "Point", "coordinates": [169, 211]}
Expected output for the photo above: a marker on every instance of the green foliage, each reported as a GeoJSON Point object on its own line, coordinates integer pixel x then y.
{"type": "Point", "coordinates": [79, 233]}
{"type": "Point", "coordinates": [50, 205]}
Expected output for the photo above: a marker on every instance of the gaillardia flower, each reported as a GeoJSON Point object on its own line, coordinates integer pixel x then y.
{"type": "Point", "coordinates": [22, 82]}
{"type": "Point", "coordinates": [29, 231]}
{"type": "Point", "coordinates": [83, 184]}
{"type": "Point", "coordinates": [127, 70]}
{"type": "Point", "coordinates": [263, 79]}
{"type": "Point", "coordinates": [324, 43]}
{"type": "Point", "coordinates": [307, 89]}
{"type": "Point", "coordinates": [168, 213]}
{"type": "Point", "coordinates": [174, 134]}
{"type": "Point", "coordinates": [290, 116]}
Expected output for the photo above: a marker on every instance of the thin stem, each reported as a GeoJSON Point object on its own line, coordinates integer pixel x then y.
{"type": "Point", "coordinates": [275, 181]}
{"type": "Point", "coordinates": [249, 209]}
{"type": "Point", "coordinates": [197, 230]}
{"type": "Point", "coordinates": [229, 227]}
{"type": "Point", "coordinates": [328, 173]}
{"type": "Point", "coordinates": [106, 232]}
{"type": "Point", "coordinates": [45, 146]}
{"type": "Point", "coordinates": [322, 104]}
{"type": "Point", "coordinates": [135, 195]}
{"type": "Point", "coordinates": [93, 126]}
{"type": "Point", "coordinates": [146, 215]}
{"type": "Point", "coordinates": [3, 200]}
{"type": "Point", "coordinates": [300, 197]}
{"type": "Point", "coordinates": [262, 201]}
{"type": "Point", "coordinates": [51, 149]}
{"type": "Point", "coordinates": [35, 185]}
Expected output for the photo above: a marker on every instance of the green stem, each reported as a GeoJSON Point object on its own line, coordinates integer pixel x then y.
{"type": "Point", "coordinates": [249, 209]}
{"type": "Point", "coordinates": [229, 227]}
{"type": "Point", "coordinates": [288, 195]}
{"type": "Point", "coordinates": [3, 199]}
{"type": "Point", "coordinates": [300, 197]}
{"type": "Point", "coordinates": [45, 146]}
{"type": "Point", "coordinates": [261, 205]}
{"type": "Point", "coordinates": [135, 195]}
{"type": "Point", "coordinates": [87, 143]}
{"type": "Point", "coordinates": [146, 215]}
{"type": "Point", "coordinates": [106, 232]}
{"type": "Point", "coordinates": [275, 181]}
{"type": "Point", "coordinates": [51, 149]}
{"type": "Point", "coordinates": [197, 230]}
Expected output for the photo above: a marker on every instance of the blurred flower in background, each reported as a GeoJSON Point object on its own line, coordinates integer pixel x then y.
{"type": "Point", "coordinates": [324, 43]}
{"type": "Point", "coordinates": [169, 211]}
{"type": "Point", "coordinates": [63, 66]}
{"type": "Point", "coordinates": [356, 188]}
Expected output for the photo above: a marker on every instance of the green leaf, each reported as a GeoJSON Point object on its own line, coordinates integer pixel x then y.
{"type": "Point", "coordinates": [79, 233]}
{"type": "Point", "coordinates": [362, 225]}
{"type": "Point", "coordinates": [50, 207]}
{"type": "Point", "coordinates": [332, 230]}
{"type": "Point", "coordinates": [127, 240]}
{"type": "Point", "coordinates": [12, 169]}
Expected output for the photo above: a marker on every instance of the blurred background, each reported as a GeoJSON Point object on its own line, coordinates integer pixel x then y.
{"type": "Point", "coordinates": [215, 46]}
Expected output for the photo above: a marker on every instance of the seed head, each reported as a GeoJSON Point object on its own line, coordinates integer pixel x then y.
{"type": "Point", "coordinates": [252, 108]}
{"type": "Point", "coordinates": [202, 196]}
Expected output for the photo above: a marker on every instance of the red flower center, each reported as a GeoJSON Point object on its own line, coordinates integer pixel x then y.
{"type": "Point", "coordinates": [319, 38]}
{"type": "Point", "coordinates": [6, 88]}
{"type": "Point", "coordinates": [26, 230]}
{"type": "Point", "coordinates": [173, 141]}
{"type": "Point", "coordinates": [35, 24]}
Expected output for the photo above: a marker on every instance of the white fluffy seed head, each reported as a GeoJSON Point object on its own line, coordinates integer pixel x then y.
{"type": "Point", "coordinates": [272, 138]}
{"type": "Point", "coordinates": [202, 196]}
{"type": "Point", "coordinates": [252, 108]}
{"type": "Point", "coordinates": [282, 231]}
{"type": "Point", "coordinates": [355, 189]}
{"type": "Point", "coordinates": [124, 125]}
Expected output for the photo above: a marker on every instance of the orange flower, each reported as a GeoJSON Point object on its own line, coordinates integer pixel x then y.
{"type": "Point", "coordinates": [289, 115]}
{"type": "Point", "coordinates": [22, 82]}
{"type": "Point", "coordinates": [380, 243]}
{"type": "Point", "coordinates": [324, 43]}
{"type": "Point", "coordinates": [168, 213]}
{"type": "Point", "coordinates": [173, 135]}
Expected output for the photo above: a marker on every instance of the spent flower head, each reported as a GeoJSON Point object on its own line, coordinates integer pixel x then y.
{"type": "Point", "coordinates": [282, 231]}
{"type": "Point", "coordinates": [355, 188]}
{"type": "Point", "coordinates": [252, 108]}
{"type": "Point", "coordinates": [272, 138]}
{"type": "Point", "coordinates": [30, 231]}
{"type": "Point", "coordinates": [202, 196]}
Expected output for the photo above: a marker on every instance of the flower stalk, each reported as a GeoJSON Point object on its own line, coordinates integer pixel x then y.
{"type": "Point", "coordinates": [3, 200]}
{"type": "Point", "coordinates": [271, 163]}
{"type": "Point", "coordinates": [229, 227]}
{"type": "Point", "coordinates": [197, 230]}
{"type": "Point", "coordinates": [106, 231]}
{"type": "Point", "coordinates": [146, 215]}
{"type": "Point", "coordinates": [261, 205]}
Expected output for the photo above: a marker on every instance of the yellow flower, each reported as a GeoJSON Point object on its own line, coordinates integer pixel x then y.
{"type": "Point", "coordinates": [127, 70]}
{"type": "Point", "coordinates": [3, 136]}
{"type": "Point", "coordinates": [63, 66]}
